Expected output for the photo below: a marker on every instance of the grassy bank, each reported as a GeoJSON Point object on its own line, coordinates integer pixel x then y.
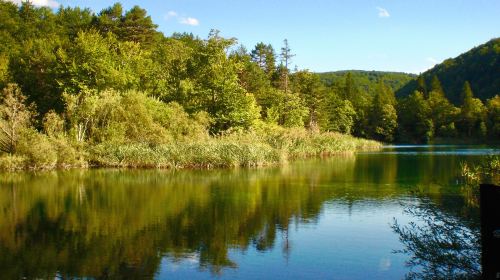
{"type": "Point", "coordinates": [132, 129]}
{"type": "Point", "coordinates": [270, 145]}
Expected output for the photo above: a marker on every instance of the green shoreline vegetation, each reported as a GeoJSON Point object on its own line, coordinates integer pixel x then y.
{"type": "Point", "coordinates": [131, 129]}
{"type": "Point", "coordinates": [84, 89]}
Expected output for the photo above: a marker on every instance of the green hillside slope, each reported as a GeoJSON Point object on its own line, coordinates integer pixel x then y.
{"type": "Point", "coordinates": [480, 66]}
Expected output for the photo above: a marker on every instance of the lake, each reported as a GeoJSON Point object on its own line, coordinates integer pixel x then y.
{"type": "Point", "coordinates": [344, 217]}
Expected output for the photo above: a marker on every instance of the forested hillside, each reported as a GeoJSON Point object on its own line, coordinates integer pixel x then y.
{"type": "Point", "coordinates": [480, 67]}
{"type": "Point", "coordinates": [367, 80]}
{"type": "Point", "coordinates": [108, 89]}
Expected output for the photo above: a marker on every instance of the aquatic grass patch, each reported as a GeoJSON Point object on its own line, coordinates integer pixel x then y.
{"type": "Point", "coordinates": [488, 171]}
{"type": "Point", "coordinates": [231, 150]}
{"type": "Point", "coordinates": [208, 154]}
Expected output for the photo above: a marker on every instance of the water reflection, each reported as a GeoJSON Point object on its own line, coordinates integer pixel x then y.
{"type": "Point", "coordinates": [131, 223]}
{"type": "Point", "coordinates": [442, 245]}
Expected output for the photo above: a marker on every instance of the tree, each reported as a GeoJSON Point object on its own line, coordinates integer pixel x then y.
{"type": "Point", "coordinates": [382, 116]}
{"type": "Point", "coordinates": [35, 70]}
{"type": "Point", "coordinates": [493, 117]}
{"type": "Point", "coordinates": [421, 85]}
{"type": "Point", "coordinates": [73, 20]}
{"type": "Point", "coordinates": [415, 124]}
{"type": "Point", "coordinates": [217, 89]}
{"type": "Point", "coordinates": [443, 114]}
{"type": "Point", "coordinates": [309, 87]}
{"type": "Point", "coordinates": [253, 78]}
{"type": "Point", "coordinates": [137, 26]}
{"type": "Point", "coordinates": [263, 55]}
{"type": "Point", "coordinates": [287, 109]}
{"type": "Point", "coordinates": [97, 62]}
{"type": "Point", "coordinates": [340, 115]}
{"type": "Point", "coordinates": [15, 117]}
{"type": "Point", "coordinates": [436, 85]}
{"type": "Point", "coordinates": [109, 19]}
{"type": "Point", "coordinates": [169, 78]}
{"type": "Point", "coordinates": [286, 59]}
{"type": "Point", "coordinates": [472, 111]}
{"type": "Point", "coordinates": [360, 102]}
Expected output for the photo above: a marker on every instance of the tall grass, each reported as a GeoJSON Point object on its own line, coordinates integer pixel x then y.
{"type": "Point", "coordinates": [262, 146]}
{"type": "Point", "coordinates": [249, 149]}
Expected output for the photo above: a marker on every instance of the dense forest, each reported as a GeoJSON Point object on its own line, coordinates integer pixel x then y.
{"type": "Point", "coordinates": [367, 80]}
{"type": "Point", "coordinates": [110, 89]}
{"type": "Point", "coordinates": [479, 66]}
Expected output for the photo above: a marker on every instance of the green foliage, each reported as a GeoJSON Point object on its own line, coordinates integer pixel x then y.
{"type": "Point", "coordinates": [382, 119]}
{"type": "Point", "coordinates": [309, 87]}
{"type": "Point", "coordinates": [10, 162]}
{"type": "Point", "coordinates": [266, 145]}
{"type": "Point", "coordinates": [37, 149]}
{"type": "Point", "coordinates": [287, 109]}
{"type": "Point", "coordinates": [480, 66]}
{"type": "Point", "coordinates": [493, 117]}
{"type": "Point", "coordinates": [415, 123]}
{"type": "Point", "coordinates": [53, 124]}
{"type": "Point", "coordinates": [341, 115]}
{"type": "Point", "coordinates": [112, 80]}
{"type": "Point", "coordinates": [443, 114]}
{"type": "Point", "coordinates": [98, 62]}
{"type": "Point", "coordinates": [15, 118]}
{"type": "Point", "coordinates": [367, 80]}
{"type": "Point", "coordinates": [264, 57]}
{"type": "Point", "coordinates": [471, 119]}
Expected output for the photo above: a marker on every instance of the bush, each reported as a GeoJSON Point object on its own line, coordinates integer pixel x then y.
{"type": "Point", "coordinates": [12, 162]}
{"type": "Point", "coordinates": [37, 149]}
{"type": "Point", "coordinates": [68, 154]}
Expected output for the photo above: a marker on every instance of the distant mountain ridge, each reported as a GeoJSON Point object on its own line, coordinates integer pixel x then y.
{"type": "Point", "coordinates": [368, 80]}
{"type": "Point", "coordinates": [480, 66]}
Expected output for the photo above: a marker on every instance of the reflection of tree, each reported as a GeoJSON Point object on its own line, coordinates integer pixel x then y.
{"type": "Point", "coordinates": [441, 245]}
{"type": "Point", "coordinates": [115, 223]}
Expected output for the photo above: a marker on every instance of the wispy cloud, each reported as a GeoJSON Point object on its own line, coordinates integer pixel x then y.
{"type": "Point", "coordinates": [182, 19]}
{"type": "Point", "coordinates": [432, 60]}
{"type": "Point", "coordinates": [45, 3]}
{"type": "Point", "coordinates": [429, 63]}
{"type": "Point", "coordinates": [189, 21]}
{"type": "Point", "coordinates": [170, 14]}
{"type": "Point", "coordinates": [383, 13]}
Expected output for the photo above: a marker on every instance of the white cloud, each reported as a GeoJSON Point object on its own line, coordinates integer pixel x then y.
{"type": "Point", "coordinates": [189, 21]}
{"type": "Point", "coordinates": [182, 19]}
{"type": "Point", "coordinates": [383, 13]}
{"type": "Point", "coordinates": [432, 60]}
{"type": "Point", "coordinates": [170, 14]}
{"type": "Point", "coordinates": [429, 63]}
{"type": "Point", "coordinates": [45, 3]}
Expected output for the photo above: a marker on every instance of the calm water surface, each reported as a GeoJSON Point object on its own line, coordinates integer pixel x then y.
{"type": "Point", "coordinates": [332, 218]}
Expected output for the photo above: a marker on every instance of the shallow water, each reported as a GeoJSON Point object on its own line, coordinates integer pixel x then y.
{"type": "Point", "coordinates": [325, 218]}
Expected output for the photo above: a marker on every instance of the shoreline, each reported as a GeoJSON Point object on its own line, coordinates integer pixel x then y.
{"type": "Point", "coordinates": [235, 151]}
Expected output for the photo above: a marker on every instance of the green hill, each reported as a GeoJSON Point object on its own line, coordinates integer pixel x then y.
{"type": "Point", "coordinates": [367, 80]}
{"type": "Point", "coordinates": [480, 66]}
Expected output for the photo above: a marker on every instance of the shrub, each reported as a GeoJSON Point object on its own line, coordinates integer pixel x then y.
{"type": "Point", "coordinates": [12, 162]}
{"type": "Point", "coordinates": [37, 149]}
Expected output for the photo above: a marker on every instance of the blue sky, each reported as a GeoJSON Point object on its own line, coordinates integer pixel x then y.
{"type": "Point", "coordinates": [327, 35]}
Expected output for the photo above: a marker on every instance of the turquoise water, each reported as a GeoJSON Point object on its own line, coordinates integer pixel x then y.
{"type": "Point", "coordinates": [325, 218]}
